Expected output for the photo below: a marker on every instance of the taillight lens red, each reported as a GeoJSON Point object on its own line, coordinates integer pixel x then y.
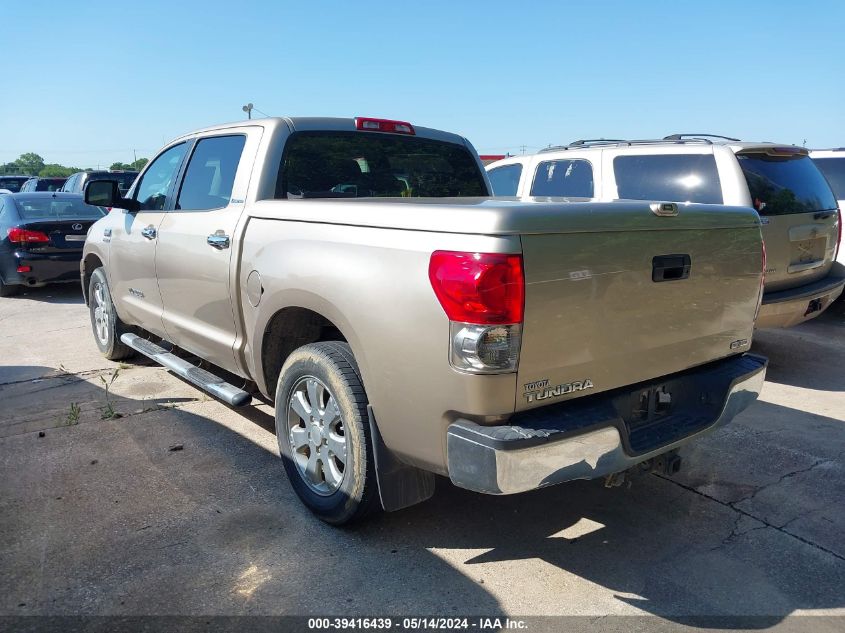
{"type": "Point", "coordinates": [478, 288]}
{"type": "Point", "coordinates": [18, 235]}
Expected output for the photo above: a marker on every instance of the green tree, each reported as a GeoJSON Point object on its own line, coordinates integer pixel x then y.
{"type": "Point", "coordinates": [9, 168]}
{"type": "Point", "coordinates": [30, 163]}
{"type": "Point", "coordinates": [121, 166]}
{"type": "Point", "coordinates": [54, 170]}
{"type": "Point", "coordinates": [138, 165]}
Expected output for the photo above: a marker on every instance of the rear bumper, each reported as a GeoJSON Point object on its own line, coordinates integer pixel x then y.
{"type": "Point", "coordinates": [45, 268]}
{"type": "Point", "coordinates": [786, 308]}
{"type": "Point", "coordinates": [595, 436]}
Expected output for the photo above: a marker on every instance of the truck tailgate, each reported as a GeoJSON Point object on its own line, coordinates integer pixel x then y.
{"type": "Point", "coordinates": [641, 297]}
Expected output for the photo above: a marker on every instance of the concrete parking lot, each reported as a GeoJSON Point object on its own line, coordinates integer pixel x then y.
{"type": "Point", "coordinates": [125, 491]}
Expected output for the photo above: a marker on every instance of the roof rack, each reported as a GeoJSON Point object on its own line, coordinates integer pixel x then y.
{"type": "Point", "coordinates": [612, 141]}
{"type": "Point", "coordinates": [680, 137]}
{"type": "Point", "coordinates": [595, 141]}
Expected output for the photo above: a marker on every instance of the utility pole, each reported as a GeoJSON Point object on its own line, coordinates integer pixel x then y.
{"type": "Point", "coordinates": [523, 148]}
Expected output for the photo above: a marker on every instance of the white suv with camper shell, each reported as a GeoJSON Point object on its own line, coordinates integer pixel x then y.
{"type": "Point", "coordinates": [801, 222]}
{"type": "Point", "coordinates": [831, 162]}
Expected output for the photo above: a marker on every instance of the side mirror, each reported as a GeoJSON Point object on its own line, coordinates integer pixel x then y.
{"type": "Point", "coordinates": [106, 193]}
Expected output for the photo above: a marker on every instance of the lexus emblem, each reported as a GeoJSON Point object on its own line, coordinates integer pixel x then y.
{"type": "Point", "coordinates": [77, 227]}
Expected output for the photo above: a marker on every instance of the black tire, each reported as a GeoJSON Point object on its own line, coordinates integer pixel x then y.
{"type": "Point", "coordinates": [7, 290]}
{"type": "Point", "coordinates": [107, 332]}
{"type": "Point", "coordinates": [332, 364]}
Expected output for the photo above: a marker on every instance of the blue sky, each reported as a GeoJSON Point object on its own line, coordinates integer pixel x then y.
{"type": "Point", "coordinates": [89, 83]}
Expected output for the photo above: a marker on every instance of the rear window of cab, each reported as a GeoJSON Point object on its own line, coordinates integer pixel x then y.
{"type": "Point", "coordinates": [373, 164]}
{"type": "Point", "coordinates": [668, 177]}
{"type": "Point", "coordinates": [52, 208]}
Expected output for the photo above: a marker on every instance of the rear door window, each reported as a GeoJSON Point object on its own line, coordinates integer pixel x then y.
{"type": "Point", "coordinates": [372, 164]}
{"type": "Point", "coordinates": [780, 185]}
{"type": "Point", "coordinates": [834, 170]}
{"type": "Point", "coordinates": [505, 179]}
{"type": "Point", "coordinates": [571, 178]}
{"type": "Point", "coordinates": [211, 173]}
{"type": "Point", "coordinates": [669, 177]}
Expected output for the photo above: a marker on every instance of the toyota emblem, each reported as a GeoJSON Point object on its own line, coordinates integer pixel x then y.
{"type": "Point", "coordinates": [77, 227]}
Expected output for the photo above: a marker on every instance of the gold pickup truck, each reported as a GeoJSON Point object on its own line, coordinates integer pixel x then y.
{"type": "Point", "coordinates": [357, 273]}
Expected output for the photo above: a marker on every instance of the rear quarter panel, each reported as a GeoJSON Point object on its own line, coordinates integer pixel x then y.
{"type": "Point", "coordinates": [372, 283]}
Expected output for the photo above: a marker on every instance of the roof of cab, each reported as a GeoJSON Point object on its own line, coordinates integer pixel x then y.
{"type": "Point", "coordinates": [302, 124]}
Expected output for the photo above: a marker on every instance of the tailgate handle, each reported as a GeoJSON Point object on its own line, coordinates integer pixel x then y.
{"type": "Point", "coordinates": [670, 267]}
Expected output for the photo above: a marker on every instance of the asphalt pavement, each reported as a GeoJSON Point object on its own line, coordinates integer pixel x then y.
{"type": "Point", "coordinates": [126, 491]}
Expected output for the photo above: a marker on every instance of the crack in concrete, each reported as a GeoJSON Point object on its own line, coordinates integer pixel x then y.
{"type": "Point", "coordinates": [55, 376]}
{"type": "Point", "coordinates": [736, 532]}
{"type": "Point", "coordinates": [751, 516]}
{"type": "Point", "coordinates": [123, 416]}
{"type": "Point", "coordinates": [783, 478]}
{"type": "Point", "coordinates": [61, 329]}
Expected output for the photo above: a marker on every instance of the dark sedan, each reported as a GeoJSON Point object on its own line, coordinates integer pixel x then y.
{"type": "Point", "coordinates": [41, 238]}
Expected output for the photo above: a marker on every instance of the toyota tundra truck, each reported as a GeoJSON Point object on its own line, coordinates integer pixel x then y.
{"type": "Point", "coordinates": [405, 324]}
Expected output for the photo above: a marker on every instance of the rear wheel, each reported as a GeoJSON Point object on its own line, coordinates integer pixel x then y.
{"type": "Point", "coordinates": [7, 290]}
{"type": "Point", "coordinates": [323, 432]}
{"type": "Point", "coordinates": [106, 324]}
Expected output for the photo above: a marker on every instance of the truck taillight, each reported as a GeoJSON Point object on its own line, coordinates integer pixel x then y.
{"type": "Point", "coordinates": [18, 235]}
{"type": "Point", "coordinates": [483, 294]}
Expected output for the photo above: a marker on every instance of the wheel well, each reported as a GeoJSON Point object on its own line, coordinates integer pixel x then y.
{"type": "Point", "coordinates": [288, 330]}
{"type": "Point", "coordinates": [92, 263]}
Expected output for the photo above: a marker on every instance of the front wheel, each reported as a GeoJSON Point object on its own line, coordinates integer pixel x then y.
{"type": "Point", "coordinates": [106, 324]}
{"type": "Point", "coordinates": [323, 432]}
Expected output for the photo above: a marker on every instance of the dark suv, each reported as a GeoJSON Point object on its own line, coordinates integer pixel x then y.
{"type": "Point", "coordinates": [43, 184]}
{"type": "Point", "coordinates": [76, 183]}
{"type": "Point", "coordinates": [13, 183]}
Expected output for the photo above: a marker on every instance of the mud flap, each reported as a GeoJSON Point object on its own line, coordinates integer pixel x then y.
{"type": "Point", "coordinates": [399, 485]}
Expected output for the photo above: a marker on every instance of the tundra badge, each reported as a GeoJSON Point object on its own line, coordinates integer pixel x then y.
{"type": "Point", "coordinates": [540, 389]}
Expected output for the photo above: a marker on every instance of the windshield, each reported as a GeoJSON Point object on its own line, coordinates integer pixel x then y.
{"type": "Point", "coordinates": [360, 165]}
{"type": "Point", "coordinates": [49, 184]}
{"type": "Point", "coordinates": [124, 179]}
{"type": "Point", "coordinates": [780, 185]}
{"type": "Point", "coordinates": [834, 170]}
{"type": "Point", "coordinates": [49, 208]}
{"type": "Point", "coordinates": [12, 184]}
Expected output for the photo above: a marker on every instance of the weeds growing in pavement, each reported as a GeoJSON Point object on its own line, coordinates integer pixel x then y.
{"type": "Point", "coordinates": [108, 411]}
{"type": "Point", "coordinates": [72, 417]}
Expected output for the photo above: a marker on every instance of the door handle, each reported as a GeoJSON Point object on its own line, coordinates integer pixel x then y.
{"type": "Point", "coordinates": [670, 267]}
{"type": "Point", "coordinates": [218, 240]}
{"type": "Point", "coordinates": [149, 232]}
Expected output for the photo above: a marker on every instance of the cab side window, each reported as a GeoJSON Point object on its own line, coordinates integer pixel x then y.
{"type": "Point", "coordinates": [151, 192]}
{"type": "Point", "coordinates": [505, 179]}
{"type": "Point", "coordinates": [568, 178]}
{"type": "Point", "coordinates": [210, 175]}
